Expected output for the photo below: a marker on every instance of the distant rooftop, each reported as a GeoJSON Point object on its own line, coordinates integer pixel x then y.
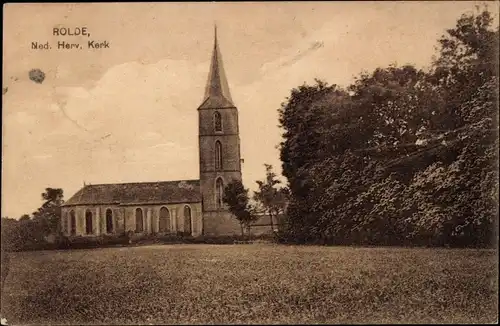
{"type": "Point", "coordinates": [161, 192]}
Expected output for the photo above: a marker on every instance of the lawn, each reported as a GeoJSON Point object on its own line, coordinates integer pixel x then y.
{"type": "Point", "coordinates": [256, 283]}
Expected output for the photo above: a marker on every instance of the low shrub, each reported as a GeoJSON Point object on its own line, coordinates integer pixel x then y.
{"type": "Point", "coordinates": [63, 242]}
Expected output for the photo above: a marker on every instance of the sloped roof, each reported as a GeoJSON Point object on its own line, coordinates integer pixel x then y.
{"type": "Point", "coordinates": [217, 94]}
{"type": "Point", "coordinates": [162, 192]}
{"type": "Point", "coordinates": [216, 102]}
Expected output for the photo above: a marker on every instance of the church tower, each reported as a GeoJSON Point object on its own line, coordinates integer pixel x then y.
{"type": "Point", "coordinates": [219, 148]}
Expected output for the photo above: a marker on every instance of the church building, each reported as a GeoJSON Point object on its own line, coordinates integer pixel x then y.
{"type": "Point", "coordinates": [192, 207]}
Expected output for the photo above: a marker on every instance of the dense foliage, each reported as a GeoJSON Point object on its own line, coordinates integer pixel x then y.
{"type": "Point", "coordinates": [401, 156]}
{"type": "Point", "coordinates": [32, 231]}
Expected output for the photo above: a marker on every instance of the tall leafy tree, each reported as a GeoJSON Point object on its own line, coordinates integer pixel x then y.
{"type": "Point", "coordinates": [272, 199]}
{"type": "Point", "coordinates": [48, 216]}
{"type": "Point", "coordinates": [236, 197]}
{"type": "Point", "coordinates": [305, 119]}
{"type": "Point", "coordinates": [406, 155]}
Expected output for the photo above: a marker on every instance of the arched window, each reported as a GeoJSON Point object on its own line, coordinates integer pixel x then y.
{"type": "Point", "coordinates": [217, 121]}
{"type": "Point", "coordinates": [187, 219]}
{"type": "Point", "coordinates": [219, 192]}
{"type": "Point", "coordinates": [109, 221]}
{"type": "Point", "coordinates": [164, 222]}
{"type": "Point", "coordinates": [139, 223]}
{"type": "Point", "coordinates": [65, 226]}
{"type": "Point", "coordinates": [72, 222]}
{"type": "Point", "coordinates": [218, 155]}
{"type": "Point", "coordinates": [88, 222]}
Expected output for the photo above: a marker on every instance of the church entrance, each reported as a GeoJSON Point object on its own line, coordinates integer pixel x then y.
{"type": "Point", "coordinates": [187, 220]}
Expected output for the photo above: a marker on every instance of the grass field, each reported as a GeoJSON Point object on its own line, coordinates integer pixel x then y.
{"type": "Point", "coordinates": [259, 283]}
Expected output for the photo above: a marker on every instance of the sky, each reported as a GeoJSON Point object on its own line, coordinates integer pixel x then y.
{"type": "Point", "coordinates": [127, 113]}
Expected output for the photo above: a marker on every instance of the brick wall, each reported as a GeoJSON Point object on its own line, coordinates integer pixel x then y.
{"type": "Point", "coordinates": [220, 223]}
{"type": "Point", "coordinates": [216, 221]}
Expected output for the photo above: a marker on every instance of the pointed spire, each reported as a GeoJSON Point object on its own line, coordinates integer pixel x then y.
{"type": "Point", "coordinates": [215, 34]}
{"type": "Point", "coordinates": [217, 93]}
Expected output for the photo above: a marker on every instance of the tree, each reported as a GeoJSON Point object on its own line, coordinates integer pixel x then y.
{"type": "Point", "coordinates": [236, 197]}
{"type": "Point", "coordinates": [402, 155]}
{"type": "Point", "coordinates": [25, 217]}
{"type": "Point", "coordinates": [306, 120]}
{"type": "Point", "coordinates": [272, 199]}
{"type": "Point", "coordinates": [30, 232]}
{"type": "Point", "coordinates": [48, 216]}
{"type": "Point", "coordinates": [468, 56]}
{"type": "Point", "coordinates": [466, 73]}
